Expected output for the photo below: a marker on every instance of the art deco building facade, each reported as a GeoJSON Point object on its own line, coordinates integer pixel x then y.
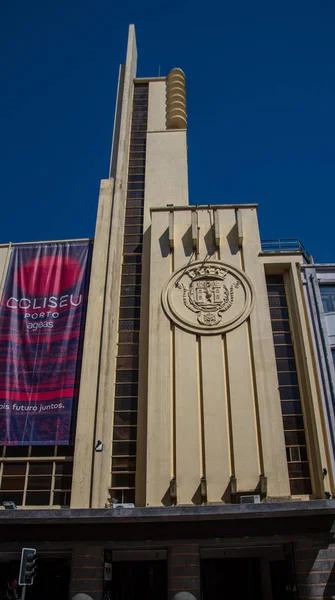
{"type": "Point", "coordinates": [199, 400]}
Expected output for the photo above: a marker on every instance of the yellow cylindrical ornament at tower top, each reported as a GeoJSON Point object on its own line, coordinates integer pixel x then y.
{"type": "Point", "coordinates": [176, 100]}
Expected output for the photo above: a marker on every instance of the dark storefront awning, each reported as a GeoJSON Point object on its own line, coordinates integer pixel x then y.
{"type": "Point", "coordinates": [288, 519]}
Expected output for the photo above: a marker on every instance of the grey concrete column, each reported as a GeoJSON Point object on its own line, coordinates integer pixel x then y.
{"type": "Point", "coordinates": [184, 573]}
{"type": "Point", "coordinates": [87, 573]}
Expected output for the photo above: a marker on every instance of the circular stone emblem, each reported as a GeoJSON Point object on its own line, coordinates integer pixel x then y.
{"type": "Point", "coordinates": [208, 297]}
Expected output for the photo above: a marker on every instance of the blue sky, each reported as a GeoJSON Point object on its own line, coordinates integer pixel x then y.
{"type": "Point", "coordinates": [261, 108]}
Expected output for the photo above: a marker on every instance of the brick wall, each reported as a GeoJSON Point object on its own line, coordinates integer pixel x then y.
{"type": "Point", "coordinates": [184, 570]}
{"type": "Point", "coordinates": [87, 572]}
{"type": "Point", "coordinates": [315, 568]}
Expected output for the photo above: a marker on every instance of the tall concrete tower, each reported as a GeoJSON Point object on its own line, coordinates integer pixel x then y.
{"type": "Point", "coordinates": [148, 168]}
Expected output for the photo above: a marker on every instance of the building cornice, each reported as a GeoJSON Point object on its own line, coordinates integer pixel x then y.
{"type": "Point", "coordinates": [266, 510]}
{"type": "Point", "coordinates": [195, 207]}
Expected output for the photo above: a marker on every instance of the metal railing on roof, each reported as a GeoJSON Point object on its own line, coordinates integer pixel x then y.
{"type": "Point", "coordinates": [285, 245]}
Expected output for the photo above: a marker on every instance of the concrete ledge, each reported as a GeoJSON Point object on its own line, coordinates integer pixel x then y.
{"type": "Point", "coordinates": [171, 514]}
{"type": "Point", "coordinates": [191, 207]}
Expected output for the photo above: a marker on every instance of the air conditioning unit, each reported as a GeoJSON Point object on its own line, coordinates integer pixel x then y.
{"type": "Point", "coordinates": [124, 505]}
{"type": "Point", "coordinates": [250, 499]}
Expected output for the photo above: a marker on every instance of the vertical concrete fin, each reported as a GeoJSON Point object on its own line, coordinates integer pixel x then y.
{"type": "Point", "coordinates": [117, 122]}
{"type": "Point", "coordinates": [171, 230]}
{"type": "Point", "coordinates": [85, 433]}
{"type": "Point", "coordinates": [127, 73]}
{"type": "Point", "coordinates": [217, 229]}
{"type": "Point", "coordinates": [105, 404]}
{"type": "Point", "coordinates": [239, 228]}
{"type": "Point", "coordinates": [195, 231]}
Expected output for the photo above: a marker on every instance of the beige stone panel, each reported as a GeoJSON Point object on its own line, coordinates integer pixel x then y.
{"type": "Point", "coordinates": [242, 408]}
{"type": "Point", "coordinates": [84, 442]}
{"type": "Point", "coordinates": [143, 374]}
{"type": "Point", "coordinates": [159, 432]}
{"type": "Point", "coordinates": [229, 249]}
{"type": "Point", "coordinates": [311, 400]}
{"type": "Point", "coordinates": [213, 394]}
{"type": "Point", "coordinates": [215, 426]}
{"type": "Point", "coordinates": [156, 106]}
{"type": "Point", "coordinates": [245, 459]}
{"type": "Point", "coordinates": [187, 388]}
{"type": "Point", "coordinates": [166, 169]}
{"type": "Point", "coordinates": [5, 252]}
{"type": "Point", "coordinates": [188, 451]}
{"type": "Point", "coordinates": [274, 462]}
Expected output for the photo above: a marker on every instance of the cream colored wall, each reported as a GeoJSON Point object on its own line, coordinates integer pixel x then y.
{"type": "Point", "coordinates": [166, 177]}
{"type": "Point", "coordinates": [187, 394]}
{"type": "Point", "coordinates": [156, 106]}
{"type": "Point", "coordinates": [166, 169]}
{"type": "Point", "coordinates": [158, 421]}
{"type": "Point", "coordinates": [166, 182]}
{"type": "Point", "coordinates": [90, 371]}
{"type": "Point", "coordinates": [241, 395]}
{"type": "Point", "coordinates": [213, 402]}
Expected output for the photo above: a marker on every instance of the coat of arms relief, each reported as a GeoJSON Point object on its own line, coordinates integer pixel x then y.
{"type": "Point", "coordinates": [208, 297]}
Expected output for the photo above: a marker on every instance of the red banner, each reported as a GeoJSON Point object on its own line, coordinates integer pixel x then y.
{"type": "Point", "coordinates": [42, 320]}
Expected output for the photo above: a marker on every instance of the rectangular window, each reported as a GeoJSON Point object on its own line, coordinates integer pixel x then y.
{"type": "Point", "coordinates": [328, 297]}
{"type": "Point", "coordinates": [130, 313]}
{"type": "Point", "coordinates": [125, 403]}
{"type": "Point", "coordinates": [126, 386]}
{"type": "Point", "coordinates": [131, 279]}
{"type": "Point", "coordinates": [125, 418]}
{"type": "Point", "coordinates": [131, 269]}
{"type": "Point", "coordinates": [36, 475]}
{"type": "Point", "coordinates": [127, 376]}
{"type": "Point", "coordinates": [293, 421]}
{"type": "Point", "coordinates": [127, 350]}
{"type": "Point", "coordinates": [129, 337]}
{"type": "Point", "coordinates": [125, 463]}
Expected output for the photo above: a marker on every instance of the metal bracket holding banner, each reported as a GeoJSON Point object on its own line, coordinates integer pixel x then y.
{"type": "Point", "coordinates": [5, 269]}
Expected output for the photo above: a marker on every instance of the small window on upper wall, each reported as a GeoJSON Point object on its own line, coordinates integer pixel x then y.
{"type": "Point", "coordinates": [328, 297]}
{"type": "Point", "coordinates": [333, 355]}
